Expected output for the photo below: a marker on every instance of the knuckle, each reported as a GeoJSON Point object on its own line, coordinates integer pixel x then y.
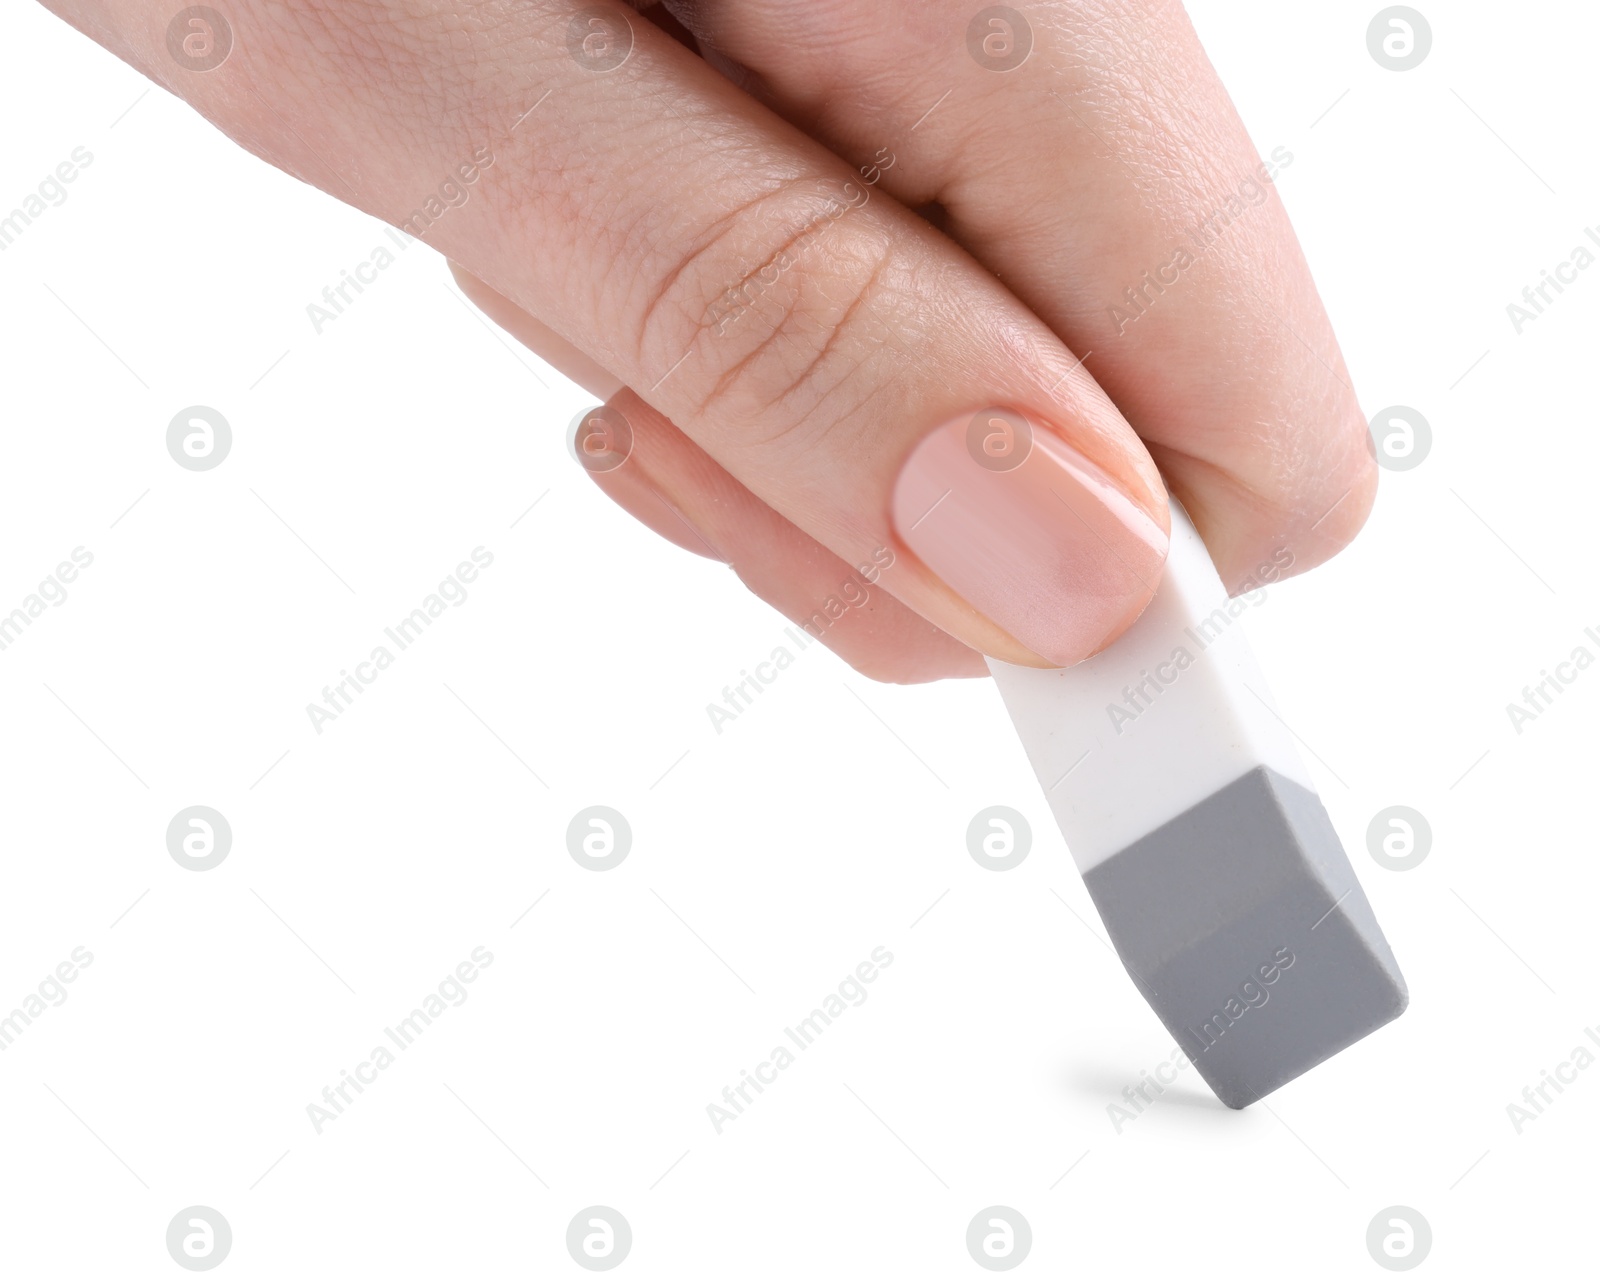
{"type": "Point", "coordinates": [778, 308]}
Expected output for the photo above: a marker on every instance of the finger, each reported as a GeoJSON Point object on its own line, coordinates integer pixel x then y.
{"type": "Point", "coordinates": [669, 483]}
{"type": "Point", "coordinates": [537, 336]}
{"type": "Point", "coordinates": [672, 487]}
{"type": "Point", "coordinates": [631, 489]}
{"type": "Point", "coordinates": [843, 387]}
{"type": "Point", "coordinates": [1089, 156]}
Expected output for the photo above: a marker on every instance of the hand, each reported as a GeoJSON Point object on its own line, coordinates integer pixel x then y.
{"type": "Point", "coordinates": [824, 388]}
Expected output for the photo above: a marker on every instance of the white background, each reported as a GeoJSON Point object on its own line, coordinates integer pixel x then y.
{"type": "Point", "coordinates": [369, 860]}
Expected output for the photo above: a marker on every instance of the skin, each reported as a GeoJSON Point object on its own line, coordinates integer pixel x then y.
{"type": "Point", "coordinates": [1002, 217]}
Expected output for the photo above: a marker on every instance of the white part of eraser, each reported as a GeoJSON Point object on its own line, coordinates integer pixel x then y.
{"type": "Point", "coordinates": [1169, 714]}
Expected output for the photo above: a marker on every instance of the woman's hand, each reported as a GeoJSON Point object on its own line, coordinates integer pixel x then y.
{"type": "Point", "coordinates": [963, 410]}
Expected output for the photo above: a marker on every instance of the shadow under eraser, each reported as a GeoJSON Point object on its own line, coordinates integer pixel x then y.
{"type": "Point", "coordinates": [1202, 841]}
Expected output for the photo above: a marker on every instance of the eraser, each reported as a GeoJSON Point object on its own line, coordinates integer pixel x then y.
{"type": "Point", "coordinates": [1202, 841]}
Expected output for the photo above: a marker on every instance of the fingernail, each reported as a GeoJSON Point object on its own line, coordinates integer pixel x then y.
{"type": "Point", "coordinates": [1029, 531]}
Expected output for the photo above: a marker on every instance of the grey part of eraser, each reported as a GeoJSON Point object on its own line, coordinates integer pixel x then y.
{"type": "Point", "coordinates": [1202, 911]}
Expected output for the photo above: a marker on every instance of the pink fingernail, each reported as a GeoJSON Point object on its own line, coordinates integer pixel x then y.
{"type": "Point", "coordinates": [1028, 531]}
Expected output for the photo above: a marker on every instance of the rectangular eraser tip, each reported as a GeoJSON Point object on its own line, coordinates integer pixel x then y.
{"type": "Point", "coordinates": [1243, 925]}
{"type": "Point", "coordinates": [1202, 841]}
